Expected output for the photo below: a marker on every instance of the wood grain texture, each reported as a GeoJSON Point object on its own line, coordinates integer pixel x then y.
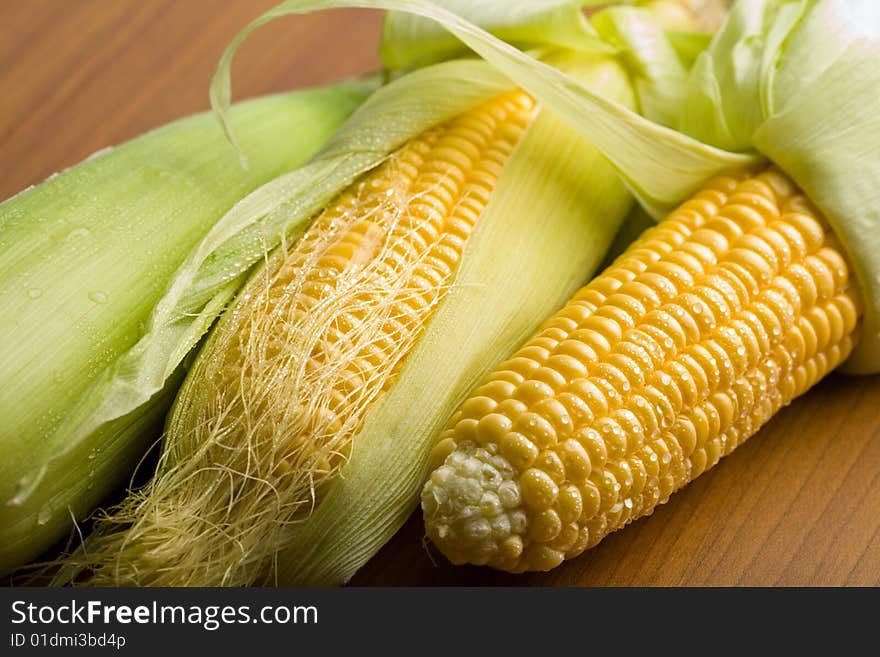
{"type": "Point", "coordinates": [799, 504]}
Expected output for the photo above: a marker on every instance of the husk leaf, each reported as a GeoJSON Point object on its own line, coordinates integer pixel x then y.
{"type": "Point", "coordinates": [84, 256]}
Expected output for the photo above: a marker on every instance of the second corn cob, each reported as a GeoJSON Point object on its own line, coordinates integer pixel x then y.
{"type": "Point", "coordinates": [710, 322]}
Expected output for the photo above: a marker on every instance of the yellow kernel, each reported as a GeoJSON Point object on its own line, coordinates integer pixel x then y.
{"type": "Point", "coordinates": [512, 408]}
{"type": "Point", "coordinates": [537, 429]}
{"type": "Point", "coordinates": [511, 548]}
{"type": "Point", "coordinates": [594, 445]}
{"type": "Point", "coordinates": [466, 430]}
{"type": "Point", "coordinates": [569, 504]}
{"type": "Point", "coordinates": [477, 407]}
{"type": "Point", "coordinates": [591, 394]}
{"type": "Point", "coordinates": [496, 390]}
{"type": "Point", "coordinates": [566, 539]}
{"type": "Point", "coordinates": [698, 462]}
{"type": "Point", "coordinates": [554, 412]}
{"type": "Point", "coordinates": [576, 460]}
{"type": "Point", "coordinates": [542, 557]}
{"type": "Point", "coordinates": [578, 410]}
{"type": "Point", "coordinates": [539, 491]}
{"type": "Point", "coordinates": [591, 500]}
{"type": "Point", "coordinates": [531, 391]}
{"type": "Point", "coordinates": [685, 435]}
{"type": "Point", "coordinates": [492, 428]}
{"type": "Point", "coordinates": [567, 366]}
{"type": "Point", "coordinates": [545, 526]}
{"type": "Point", "coordinates": [613, 437]}
{"type": "Point", "coordinates": [549, 461]}
{"type": "Point", "coordinates": [518, 450]}
{"type": "Point", "coordinates": [577, 350]}
{"type": "Point", "coordinates": [441, 450]}
{"type": "Point", "coordinates": [550, 377]}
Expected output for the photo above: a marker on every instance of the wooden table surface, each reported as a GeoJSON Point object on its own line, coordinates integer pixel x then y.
{"type": "Point", "coordinates": [799, 504]}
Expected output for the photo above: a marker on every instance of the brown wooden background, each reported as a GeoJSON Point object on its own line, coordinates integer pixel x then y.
{"type": "Point", "coordinates": [798, 505]}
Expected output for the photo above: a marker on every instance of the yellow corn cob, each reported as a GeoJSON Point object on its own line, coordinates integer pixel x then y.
{"type": "Point", "coordinates": [314, 339]}
{"type": "Point", "coordinates": [714, 319]}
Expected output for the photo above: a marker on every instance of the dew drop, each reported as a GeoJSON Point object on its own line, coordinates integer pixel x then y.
{"type": "Point", "coordinates": [45, 514]}
{"type": "Point", "coordinates": [78, 233]}
{"type": "Point", "coordinates": [667, 457]}
{"type": "Point", "coordinates": [697, 309]}
{"type": "Point", "coordinates": [628, 503]}
{"type": "Point", "coordinates": [98, 297]}
{"type": "Point", "coordinates": [741, 350]}
{"type": "Point", "coordinates": [34, 293]}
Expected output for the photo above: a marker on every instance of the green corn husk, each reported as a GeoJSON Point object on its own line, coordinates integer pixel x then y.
{"type": "Point", "coordinates": [84, 257]}
{"type": "Point", "coordinates": [555, 211]}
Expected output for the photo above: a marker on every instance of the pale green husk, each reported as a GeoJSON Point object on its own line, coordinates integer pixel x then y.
{"type": "Point", "coordinates": [84, 257]}
{"type": "Point", "coordinates": [409, 40]}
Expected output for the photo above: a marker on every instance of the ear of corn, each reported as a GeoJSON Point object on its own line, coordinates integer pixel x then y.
{"type": "Point", "coordinates": [83, 258]}
{"type": "Point", "coordinates": [738, 302]}
{"type": "Point", "coordinates": [672, 357]}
